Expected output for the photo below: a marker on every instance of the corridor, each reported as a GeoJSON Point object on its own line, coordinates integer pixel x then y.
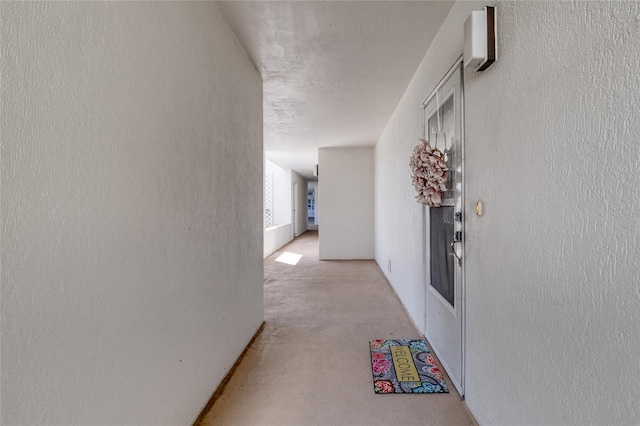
{"type": "Point", "coordinates": [310, 365]}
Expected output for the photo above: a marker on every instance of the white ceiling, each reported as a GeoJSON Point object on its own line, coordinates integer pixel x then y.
{"type": "Point", "coordinates": [333, 71]}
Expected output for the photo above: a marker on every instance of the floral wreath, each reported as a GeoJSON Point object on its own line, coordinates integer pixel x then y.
{"type": "Point", "coordinates": [429, 173]}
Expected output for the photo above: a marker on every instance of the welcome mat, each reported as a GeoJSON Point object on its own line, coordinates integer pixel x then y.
{"type": "Point", "coordinates": [404, 366]}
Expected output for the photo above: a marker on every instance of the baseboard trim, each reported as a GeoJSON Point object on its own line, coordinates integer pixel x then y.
{"type": "Point", "coordinates": [225, 381]}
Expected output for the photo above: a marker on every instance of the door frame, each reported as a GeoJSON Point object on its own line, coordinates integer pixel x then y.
{"type": "Point", "coordinates": [458, 65]}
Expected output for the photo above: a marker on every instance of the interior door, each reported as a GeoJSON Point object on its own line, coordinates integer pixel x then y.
{"type": "Point", "coordinates": [295, 209]}
{"type": "Point", "coordinates": [444, 231]}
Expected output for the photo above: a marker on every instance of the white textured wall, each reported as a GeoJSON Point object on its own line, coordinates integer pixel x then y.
{"type": "Point", "coordinates": [346, 181]}
{"type": "Point", "coordinates": [276, 237]}
{"type": "Point", "coordinates": [553, 266]}
{"type": "Point", "coordinates": [553, 295]}
{"type": "Point", "coordinates": [131, 210]}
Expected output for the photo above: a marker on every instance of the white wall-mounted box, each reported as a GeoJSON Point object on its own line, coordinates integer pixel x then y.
{"type": "Point", "coordinates": [480, 39]}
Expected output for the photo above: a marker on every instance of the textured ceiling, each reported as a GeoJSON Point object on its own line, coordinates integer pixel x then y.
{"type": "Point", "coordinates": [333, 72]}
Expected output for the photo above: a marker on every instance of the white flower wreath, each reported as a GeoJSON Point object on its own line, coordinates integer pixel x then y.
{"type": "Point", "coordinates": [429, 173]}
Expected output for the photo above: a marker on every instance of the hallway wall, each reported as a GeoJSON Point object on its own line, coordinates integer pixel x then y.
{"type": "Point", "coordinates": [399, 219]}
{"type": "Point", "coordinates": [276, 237]}
{"type": "Point", "coordinates": [131, 210]}
{"type": "Point", "coordinates": [552, 265]}
{"type": "Point", "coordinates": [346, 183]}
{"type": "Point", "coordinates": [283, 232]}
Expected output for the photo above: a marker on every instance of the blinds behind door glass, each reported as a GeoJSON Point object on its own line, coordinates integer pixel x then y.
{"type": "Point", "coordinates": [442, 257]}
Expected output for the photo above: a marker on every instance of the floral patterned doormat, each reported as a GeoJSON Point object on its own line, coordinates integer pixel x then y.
{"type": "Point", "coordinates": [405, 366]}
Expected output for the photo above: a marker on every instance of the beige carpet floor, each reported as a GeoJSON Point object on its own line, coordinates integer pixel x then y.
{"type": "Point", "coordinates": [311, 363]}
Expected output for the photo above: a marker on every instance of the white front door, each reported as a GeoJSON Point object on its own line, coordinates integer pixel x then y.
{"type": "Point", "coordinates": [444, 231]}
